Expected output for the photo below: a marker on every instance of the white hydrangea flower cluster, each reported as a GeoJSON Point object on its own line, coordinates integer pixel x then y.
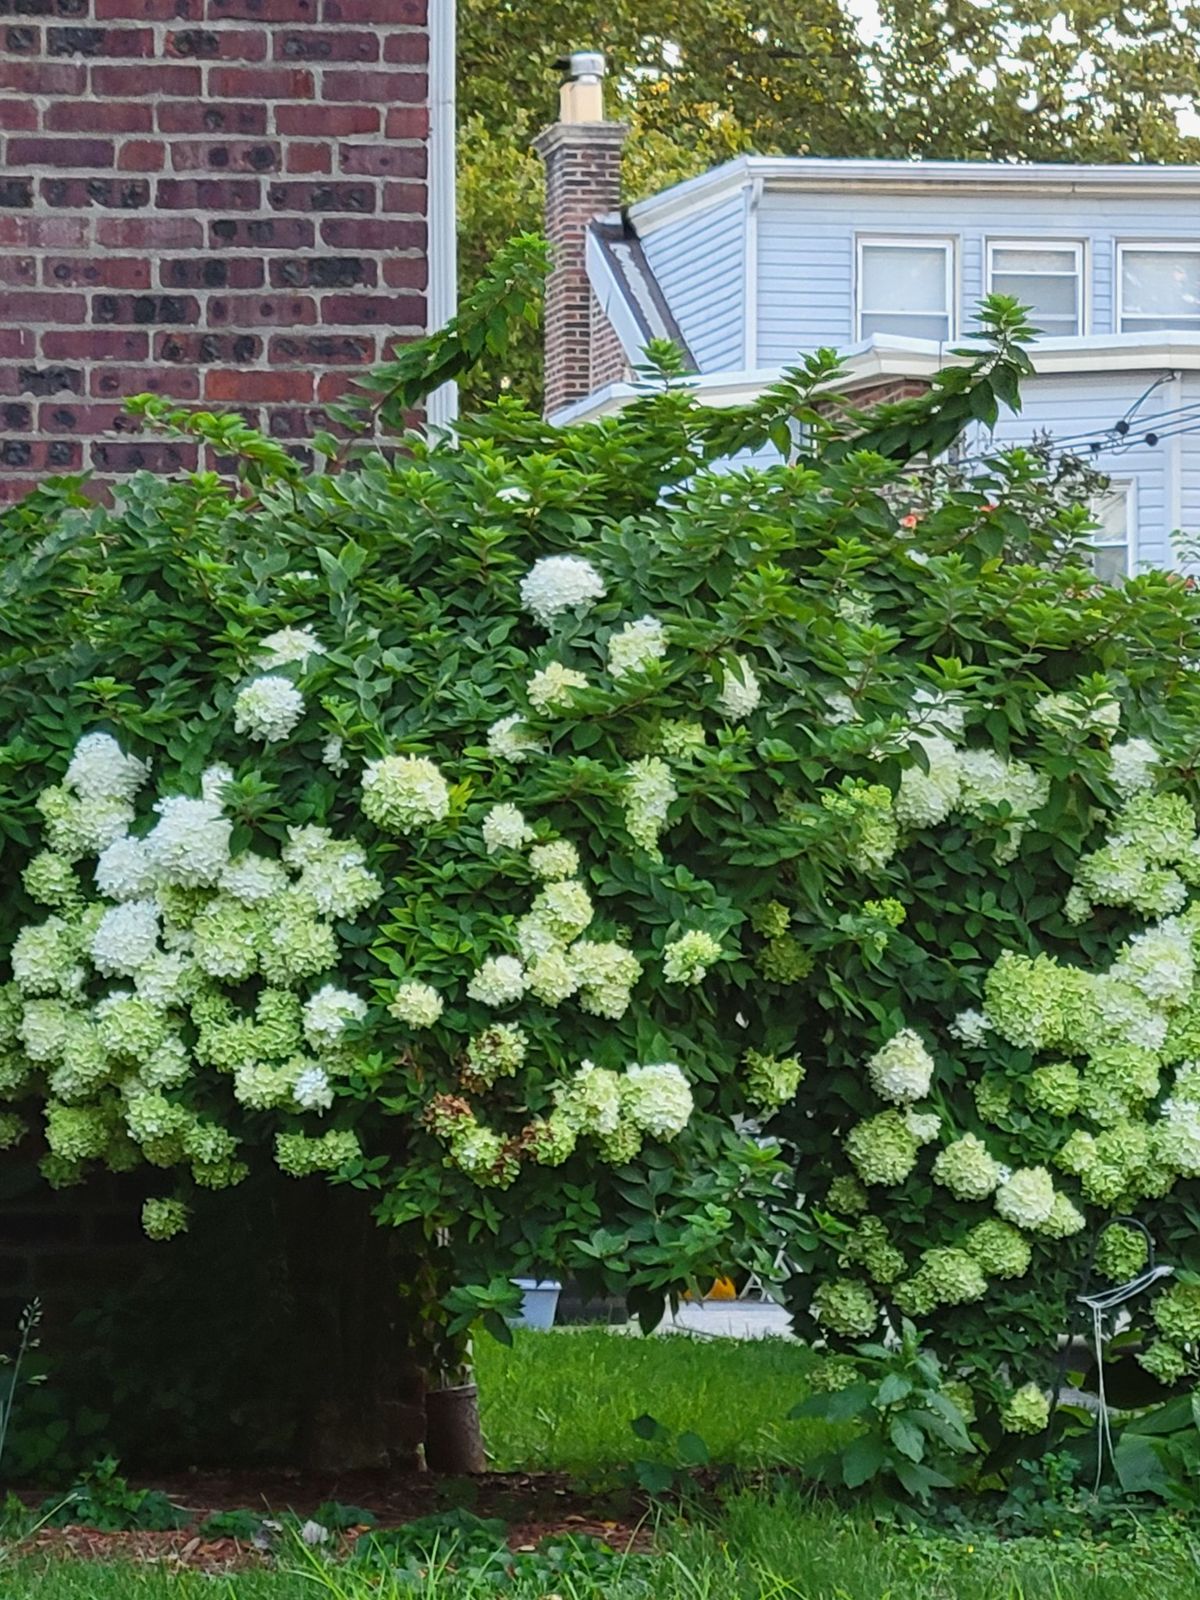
{"type": "Point", "coordinates": [417, 1005]}
{"type": "Point", "coordinates": [403, 793]}
{"type": "Point", "coordinates": [268, 709]}
{"type": "Point", "coordinates": [636, 646]}
{"type": "Point", "coordinates": [902, 1070]}
{"type": "Point", "coordinates": [1133, 764]}
{"type": "Point", "coordinates": [554, 686]}
{"type": "Point", "coordinates": [649, 794]}
{"type": "Point", "coordinates": [512, 739]}
{"type": "Point", "coordinates": [945, 780]}
{"type": "Point", "coordinates": [620, 1110]}
{"type": "Point", "coordinates": [557, 584]}
{"type": "Point", "coordinates": [178, 919]}
{"type": "Point", "coordinates": [288, 646]}
{"type": "Point", "coordinates": [686, 960]}
{"type": "Point", "coordinates": [740, 692]}
{"type": "Point", "coordinates": [505, 828]}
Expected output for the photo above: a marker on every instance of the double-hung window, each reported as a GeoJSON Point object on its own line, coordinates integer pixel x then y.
{"type": "Point", "coordinates": [1045, 276]}
{"type": "Point", "coordinates": [1160, 287]}
{"type": "Point", "coordinates": [1112, 543]}
{"type": "Point", "coordinates": [906, 286]}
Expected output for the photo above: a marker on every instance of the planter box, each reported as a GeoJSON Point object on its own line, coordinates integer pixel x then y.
{"type": "Point", "coordinates": [539, 1302]}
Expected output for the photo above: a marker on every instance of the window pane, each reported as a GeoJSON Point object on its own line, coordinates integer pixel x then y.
{"type": "Point", "coordinates": [1111, 511]}
{"type": "Point", "coordinates": [1111, 562]}
{"type": "Point", "coordinates": [1006, 259]}
{"type": "Point", "coordinates": [1152, 324]}
{"type": "Point", "coordinates": [1163, 285]}
{"type": "Point", "coordinates": [903, 278]}
{"type": "Point", "coordinates": [914, 327]}
{"type": "Point", "coordinates": [1056, 297]}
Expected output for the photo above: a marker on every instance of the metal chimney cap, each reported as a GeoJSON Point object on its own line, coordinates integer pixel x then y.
{"type": "Point", "coordinates": [586, 64]}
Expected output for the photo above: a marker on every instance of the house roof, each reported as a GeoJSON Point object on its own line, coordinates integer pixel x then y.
{"type": "Point", "coordinates": [900, 177]}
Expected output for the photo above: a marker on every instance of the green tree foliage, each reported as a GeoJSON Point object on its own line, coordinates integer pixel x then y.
{"type": "Point", "coordinates": [699, 83]}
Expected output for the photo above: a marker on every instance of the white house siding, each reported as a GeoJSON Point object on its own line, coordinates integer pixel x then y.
{"type": "Point", "coordinates": [699, 262]}
{"type": "Point", "coordinates": [806, 258]}
{"type": "Point", "coordinates": [1083, 403]}
{"type": "Point", "coordinates": [1189, 454]}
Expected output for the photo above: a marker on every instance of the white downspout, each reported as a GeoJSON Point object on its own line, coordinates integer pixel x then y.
{"type": "Point", "coordinates": [754, 191]}
{"type": "Point", "coordinates": [442, 405]}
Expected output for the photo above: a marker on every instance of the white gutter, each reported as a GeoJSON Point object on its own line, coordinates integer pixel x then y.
{"type": "Point", "coordinates": [442, 405]}
{"type": "Point", "coordinates": [800, 173]}
{"type": "Point", "coordinates": [891, 356]}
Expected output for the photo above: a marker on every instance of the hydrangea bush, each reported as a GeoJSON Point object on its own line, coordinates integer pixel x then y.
{"type": "Point", "coordinates": [535, 829]}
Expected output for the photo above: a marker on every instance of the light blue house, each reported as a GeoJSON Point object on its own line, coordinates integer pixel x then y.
{"type": "Point", "coordinates": [764, 258]}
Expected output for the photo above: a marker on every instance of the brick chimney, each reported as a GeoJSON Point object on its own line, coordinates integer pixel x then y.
{"type": "Point", "coordinates": [582, 153]}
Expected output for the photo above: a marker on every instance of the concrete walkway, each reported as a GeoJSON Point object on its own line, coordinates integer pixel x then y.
{"type": "Point", "coordinates": [730, 1319]}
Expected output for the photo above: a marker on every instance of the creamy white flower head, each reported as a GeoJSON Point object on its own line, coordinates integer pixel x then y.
{"type": "Point", "coordinates": [554, 686]}
{"type": "Point", "coordinates": [636, 645]}
{"type": "Point", "coordinates": [499, 981]}
{"type": "Point", "coordinates": [252, 878]}
{"type": "Point", "coordinates": [306, 845]}
{"type": "Point", "coordinates": [511, 739]}
{"type": "Point", "coordinates": [1159, 963]}
{"type": "Point", "coordinates": [924, 1126]}
{"type": "Point", "coordinates": [213, 781]}
{"type": "Point", "coordinates": [740, 690]}
{"type": "Point", "coordinates": [328, 1012]}
{"type": "Point", "coordinates": [505, 828]}
{"type": "Point", "coordinates": [126, 938]}
{"type": "Point", "coordinates": [658, 1099]}
{"type": "Point", "coordinates": [419, 1005]}
{"type": "Point", "coordinates": [286, 645]}
{"type": "Point", "coordinates": [513, 494]}
{"type": "Point", "coordinates": [100, 770]}
{"type": "Point", "coordinates": [189, 845]}
{"type": "Point", "coordinates": [403, 793]}
{"type": "Point", "coordinates": [928, 796]}
{"type": "Point", "coordinates": [902, 1070]}
{"type": "Point", "coordinates": [560, 583]}
{"type": "Point", "coordinates": [649, 792]}
{"type": "Point", "coordinates": [268, 709]}
{"type": "Point", "coordinates": [1133, 764]}
{"type": "Point", "coordinates": [312, 1090]}
{"type": "Point", "coordinates": [970, 1027]}
{"type": "Point", "coordinates": [1026, 1199]}
{"type": "Point", "coordinates": [124, 870]}
{"type": "Point", "coordinates": [555, 859]}
{"type": "Point", "coordinates": [164, 979]}
{"type": "Point", "coordinates": [331, 754]}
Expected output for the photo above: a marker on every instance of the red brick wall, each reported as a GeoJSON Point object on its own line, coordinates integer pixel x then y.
{"type": "Point", "coordinates": [218, 200]}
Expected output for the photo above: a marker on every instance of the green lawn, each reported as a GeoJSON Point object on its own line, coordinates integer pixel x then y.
{"type": "Point", "coordinates": [566, 1399]}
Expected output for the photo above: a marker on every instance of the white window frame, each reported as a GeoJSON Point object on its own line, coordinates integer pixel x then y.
{"type": "Point", "coordinates": [1174, 247]}
{"type": "Point", "coordinates": [1083, 277]}
{"type": "Point", "coordinates": [1126, 487]}
{"type": "Point", "coordinates": [944, 242]}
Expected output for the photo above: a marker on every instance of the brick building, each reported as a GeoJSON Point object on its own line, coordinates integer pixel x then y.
{"type": "Point", "coordinates": [234, 202]}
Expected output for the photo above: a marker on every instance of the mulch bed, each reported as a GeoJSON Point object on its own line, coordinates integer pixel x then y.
{"type": "Point", "coordinates": [535, 1506]}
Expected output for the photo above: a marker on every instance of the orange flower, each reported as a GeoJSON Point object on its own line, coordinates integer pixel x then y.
{"type": "Point", "coordinates": [910, 521]}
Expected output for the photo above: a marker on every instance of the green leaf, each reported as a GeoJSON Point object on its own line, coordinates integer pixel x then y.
{"type": "Point", "coordinates": [861, 1460]}
{"type": "Point", "coordinates": [907, 1437]}
{"type": "Point", "coordinates": [692, 1450]}
{"type": "Point", "coordinates": [895, 1387]}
